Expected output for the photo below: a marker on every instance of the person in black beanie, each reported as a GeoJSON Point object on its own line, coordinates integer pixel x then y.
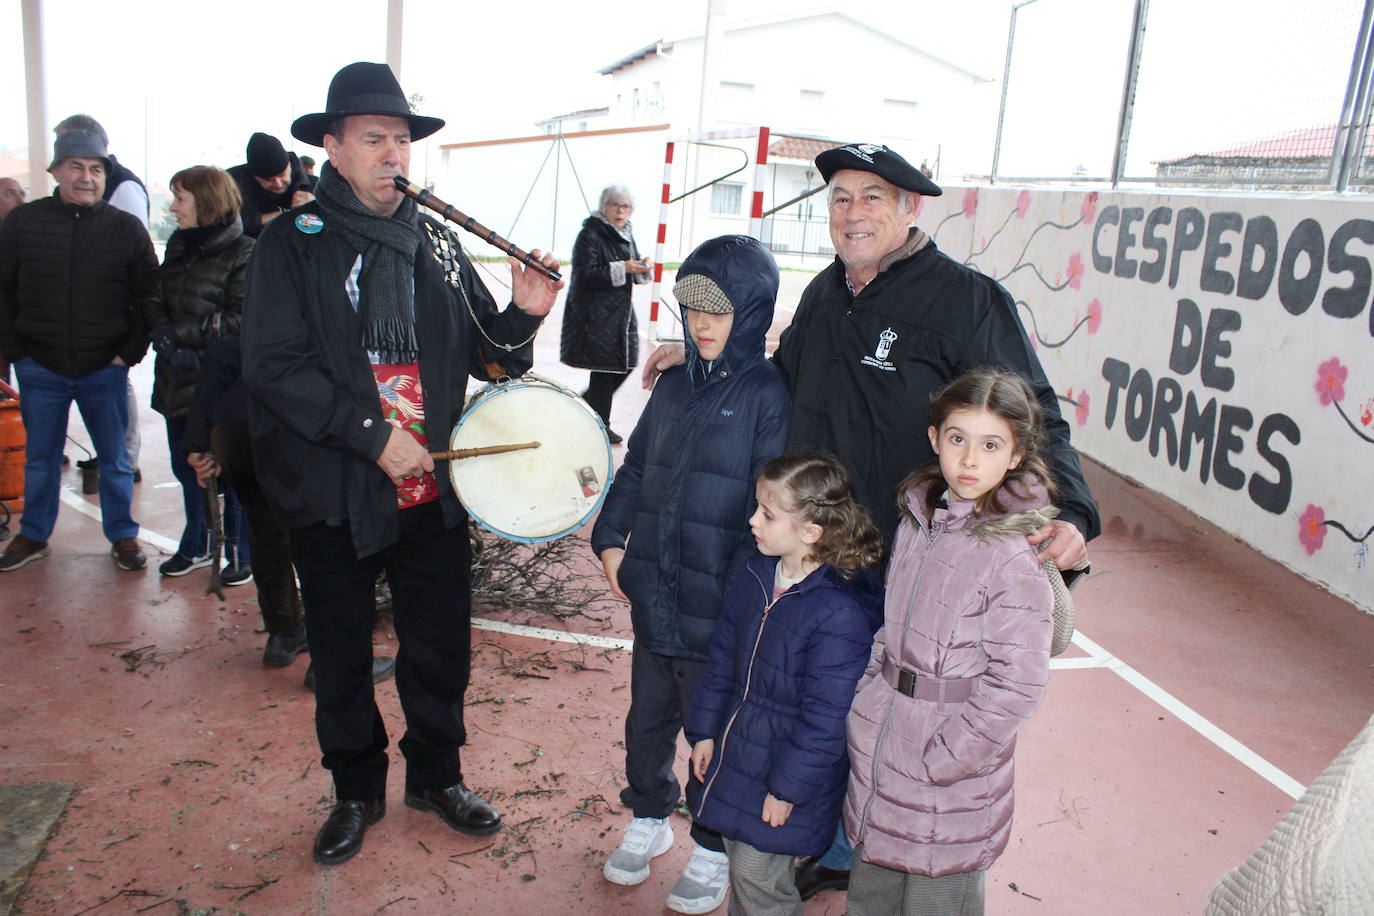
{"type": "Point", "coordinates": [271, 182]}
{"type": "Point", "coordinates": [352, 298]}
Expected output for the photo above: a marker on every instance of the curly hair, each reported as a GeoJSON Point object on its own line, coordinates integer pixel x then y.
{"type": "Point", "coordinates": [815, 488]}
{"type": "Point", "coordinates": [1007, 395]}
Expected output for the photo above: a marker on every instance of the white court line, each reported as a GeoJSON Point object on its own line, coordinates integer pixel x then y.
{"type": "Point", "coordinates": [1194, 720]}
{"type": "Point", "coordinates": [71, 498]}
{"type": "Point", "coordinates": [1098, 658]}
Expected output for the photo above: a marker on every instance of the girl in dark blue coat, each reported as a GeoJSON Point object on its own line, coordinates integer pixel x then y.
{"type": "Point", "coordinates": [675, 529]}
{"type": "Point", "coordinates": [767, 724]}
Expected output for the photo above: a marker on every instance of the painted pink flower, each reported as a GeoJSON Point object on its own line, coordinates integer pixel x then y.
{"type": "Point", "coordinates": [1331, 381]}
{"type": "Point", "coordinates": [1311, 531]}
{"type": "Point", "coordinates": [1094, 315]}
{"type": "Point", "coordinates": [1081, 412]}
{"type": "Point", "coordinates": [1075, 270]}
{"type": "Point", "coordinates": [1089, 208]}
{"type": "Point", "coordinates": [1023, 202]}
{"type": "Point", "coordinates": [970, 202]}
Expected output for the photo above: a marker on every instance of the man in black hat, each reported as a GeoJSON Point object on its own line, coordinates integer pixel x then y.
{"type": "Point", "coordinates": [271, 182]}
{"type": "Point", "coordinates": [877, 332]}
{"type": "Point", "coordinates": [353, 299]}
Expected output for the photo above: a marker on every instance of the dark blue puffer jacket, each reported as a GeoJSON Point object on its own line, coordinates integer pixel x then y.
{"type": "Point", "coordinates": [683, 496]}
{"type": "Point", "coordinates": [774, 697]}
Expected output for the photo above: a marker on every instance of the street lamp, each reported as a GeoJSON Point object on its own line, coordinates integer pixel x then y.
{"type": "Point", "coordinates": [1006, 75]}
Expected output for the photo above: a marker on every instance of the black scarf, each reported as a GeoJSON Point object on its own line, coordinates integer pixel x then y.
{"type": "Point", "coordinates": [386, 285]}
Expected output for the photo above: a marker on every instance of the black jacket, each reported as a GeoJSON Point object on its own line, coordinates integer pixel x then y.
{"type": "Point", "coordinates": [599, 327]}
{"type": "Point", "coordinates": [863, 369]}
{"type": "Point", "coordinates": [73, 285]}
{"type": "Point", "coordinates": [683, 496]}
{"type": "Point", "coordinates": [316, 419]}
{"type": "Point", "coordinates": [257, 201]}
{"type": "Point", "coordinates": [199, 293]}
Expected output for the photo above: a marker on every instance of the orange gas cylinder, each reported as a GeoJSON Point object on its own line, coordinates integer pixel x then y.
{"type": "Point", "coordinates": [11, 451]}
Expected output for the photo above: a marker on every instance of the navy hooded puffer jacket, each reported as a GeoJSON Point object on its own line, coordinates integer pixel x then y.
{"type": "Point", "coordinates": [681, 502]}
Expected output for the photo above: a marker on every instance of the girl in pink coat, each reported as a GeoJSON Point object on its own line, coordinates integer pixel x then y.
{"type": "Point", "coordinates": [962, 659]}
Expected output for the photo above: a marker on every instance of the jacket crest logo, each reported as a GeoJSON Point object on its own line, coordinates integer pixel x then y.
{"type": "Point", "coordinates": [726, 413]}
{"type": "Point", "coordinates": [879, 358]}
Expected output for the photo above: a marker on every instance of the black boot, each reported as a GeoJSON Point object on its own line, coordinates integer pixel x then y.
{"type": "Point", "coordinates": [342, 834]}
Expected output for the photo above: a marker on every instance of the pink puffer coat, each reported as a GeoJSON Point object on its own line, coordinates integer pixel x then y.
{"type": "Point", "coordinates": [969, 613]}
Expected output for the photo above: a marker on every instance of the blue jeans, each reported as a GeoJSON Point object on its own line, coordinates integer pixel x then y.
{"type": "Point", "coordinates": [45, 402]}
{"type": "Point", "coordinates": [195, 537]}
{"type": "Point", "coordinates": [840, 853]}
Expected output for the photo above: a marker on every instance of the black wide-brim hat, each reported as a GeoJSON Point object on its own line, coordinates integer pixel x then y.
{"type": "Point", "coordinates": [362, 89]}
{"type": "Point", "coordinates": [881, 161]}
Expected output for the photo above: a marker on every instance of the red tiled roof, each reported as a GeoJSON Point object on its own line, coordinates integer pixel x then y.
{"type": "Point", "coordinates": [1312, 142]}
{"type": "Point", "coordinates": [808, 148]}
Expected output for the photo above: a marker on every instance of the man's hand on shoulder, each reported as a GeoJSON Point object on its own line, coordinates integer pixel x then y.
{"type": "Point", "coordinates": [533, 291]}
{"type": "Point", "coordinates": [1068, 550]}
{"type": "Point", "coordinates": [662, 359]}
{"type": "Point", "coordinates": [301, 197]}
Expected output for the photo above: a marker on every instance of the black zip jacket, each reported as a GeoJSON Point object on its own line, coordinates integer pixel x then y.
{"type": "Point", "coordinates": [862, 370]}
{"type": "Point", "coordinates": [73, 285]}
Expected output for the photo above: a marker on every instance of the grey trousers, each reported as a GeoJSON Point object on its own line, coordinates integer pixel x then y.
{"type": "Point", "coordinates": [761, 882]}
{"type": "Point", "coordinates": [878, 891]}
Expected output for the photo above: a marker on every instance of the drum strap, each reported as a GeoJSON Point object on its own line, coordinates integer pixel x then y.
{"type": "Point", "coordinates": [446, 249]}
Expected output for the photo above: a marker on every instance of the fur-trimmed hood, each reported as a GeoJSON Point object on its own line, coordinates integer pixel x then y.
{"type": "Point", "coordinates": [1029, 511]}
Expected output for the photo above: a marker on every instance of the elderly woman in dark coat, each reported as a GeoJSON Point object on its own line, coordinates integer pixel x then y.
{"type": "Point", "coordinates": [199, 299]}
{"type": "Point", "coordinates": [599, 328]}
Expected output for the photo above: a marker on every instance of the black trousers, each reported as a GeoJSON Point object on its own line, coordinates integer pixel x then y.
{"type": "Point", "coordinates": [601, 388]}
{"type": "Point", "coordinates": [268, 542]}
{"type": "Point", "coordinates": [661, 691]}
{"type": "Point", "coordinates": [429, 569]}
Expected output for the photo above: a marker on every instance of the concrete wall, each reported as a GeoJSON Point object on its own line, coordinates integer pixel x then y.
{"type": "Point", "coordinates": [1217, 349]}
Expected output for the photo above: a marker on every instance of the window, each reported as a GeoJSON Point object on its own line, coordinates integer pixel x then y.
{"type": "Point", "coordinates": [726, 197]}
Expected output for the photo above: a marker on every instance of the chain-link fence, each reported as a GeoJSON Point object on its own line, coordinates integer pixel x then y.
{"type": "Point", "coordinates": [1211, 93]}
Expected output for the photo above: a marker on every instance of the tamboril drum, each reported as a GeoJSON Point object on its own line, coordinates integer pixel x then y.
{"type": "Point", "coordinates": [531, 494]}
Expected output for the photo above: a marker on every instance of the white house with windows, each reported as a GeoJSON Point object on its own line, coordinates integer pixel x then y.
{"type": "Point", "coordinates": [816, 79]}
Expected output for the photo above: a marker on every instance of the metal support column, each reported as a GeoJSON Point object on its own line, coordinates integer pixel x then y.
{"type": "Point", "coordinates": [1123, 124]}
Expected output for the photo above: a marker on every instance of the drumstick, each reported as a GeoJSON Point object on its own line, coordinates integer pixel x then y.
{"type": "Point", "coordinates": [454, 454]}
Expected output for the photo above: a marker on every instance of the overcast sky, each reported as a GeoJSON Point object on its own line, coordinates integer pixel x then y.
{"type": "Point", "coordinates": [198, 77]}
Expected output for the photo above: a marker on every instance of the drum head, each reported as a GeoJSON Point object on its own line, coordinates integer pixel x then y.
{"type": "Point", "coordinates": [538, 494]}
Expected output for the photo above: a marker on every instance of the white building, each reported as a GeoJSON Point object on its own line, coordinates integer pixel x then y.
{"type": "Point", "coordinates": [815, 79]}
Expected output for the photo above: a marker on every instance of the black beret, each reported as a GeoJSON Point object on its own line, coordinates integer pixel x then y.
{"type": "Point", "coordinates": [266, 156]}
{"type": "Point", "coordinates": [881, 161]}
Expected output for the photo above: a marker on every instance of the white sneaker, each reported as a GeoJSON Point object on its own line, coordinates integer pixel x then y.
{"type": "Point", "coordinates": [645, 837]}
{"type": "Point", "coordinates": [702, 886]}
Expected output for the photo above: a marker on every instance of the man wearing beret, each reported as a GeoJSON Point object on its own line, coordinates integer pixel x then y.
{"type": "Point", "coordinates": [271, 182]}
{"type": "Point", "coordinates": [891, 321]}
{"type": "Point", "coordinates": [354, 299]}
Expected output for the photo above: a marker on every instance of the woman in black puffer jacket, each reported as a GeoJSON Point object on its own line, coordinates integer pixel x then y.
{"type": "Point", "coordinates": [199, 299]}
{"type": "Point", "coordinates": [599, 328]}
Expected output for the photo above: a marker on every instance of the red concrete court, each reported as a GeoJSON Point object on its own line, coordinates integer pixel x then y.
{"type": "Point", "coordinates": [1207, 686]}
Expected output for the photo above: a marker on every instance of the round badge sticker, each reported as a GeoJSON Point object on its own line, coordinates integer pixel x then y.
{"type": "Point", "coordinates": [309, 223]}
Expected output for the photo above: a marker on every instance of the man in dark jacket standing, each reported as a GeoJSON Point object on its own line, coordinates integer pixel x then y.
{"type": "Point", "coordinates": [891, 321]}
{"type": "Point", "coordinates": [75, 275]}
{"type": "Point", "coordinates": [271, 182]}
{"type": "Point", "coordinates": [349, 307]}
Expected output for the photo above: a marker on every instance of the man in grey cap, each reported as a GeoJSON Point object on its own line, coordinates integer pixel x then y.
{"type": "Point", "coordinates": [890, 322]}
{"type": "Point", "coordinates": [352, 299]}
{"type": "Point", "coordinates": [75, 275]}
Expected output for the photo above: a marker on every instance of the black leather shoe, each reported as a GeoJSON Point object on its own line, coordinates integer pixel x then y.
{"type": "Point", "coordinates": [461, 808]}
{"type": "Point", "coordinates": [282, 648]}
{"type": "Point", "coordinates": [342, 834]}
{"type": "Point", "coordinates": [812, 877]}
